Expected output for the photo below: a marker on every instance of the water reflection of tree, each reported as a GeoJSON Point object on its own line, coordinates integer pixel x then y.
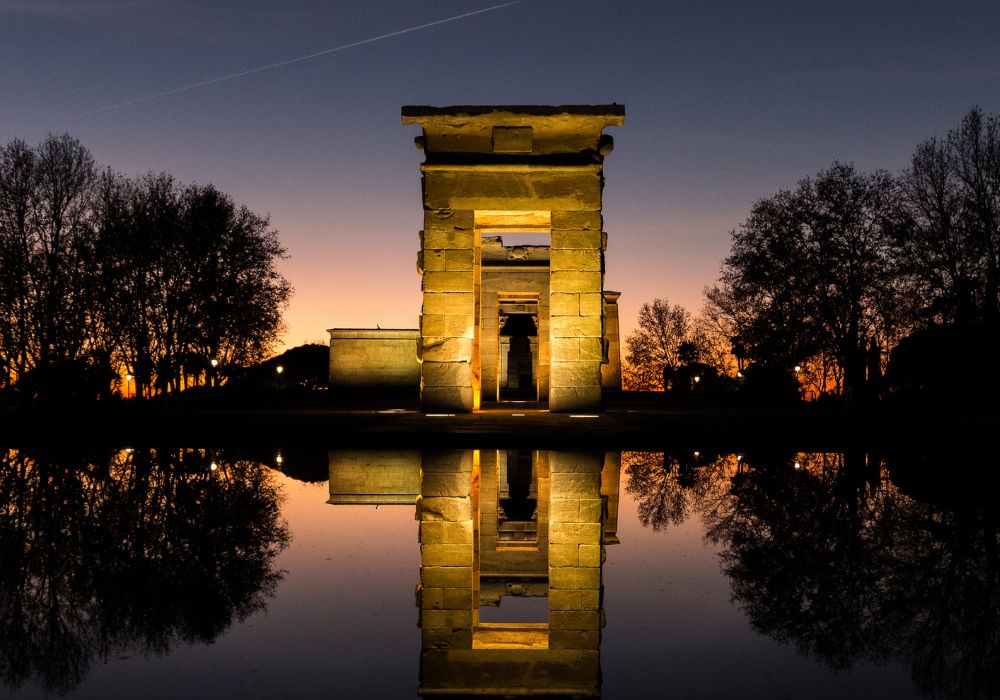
{"type": "Point", "coordinates": [824, 552]}
{"type": "Point", "coordinates": [127, 551]}
{"type": "Point", "coordinates": [667, 486]}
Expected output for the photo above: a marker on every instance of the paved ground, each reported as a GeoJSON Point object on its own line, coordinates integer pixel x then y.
{"type": "Point", "coordinates": [622, 425]}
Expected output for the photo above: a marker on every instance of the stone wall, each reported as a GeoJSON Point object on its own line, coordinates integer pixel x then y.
{"type": "Point", "coordinates": [611, 371]}
{"type": "Point", "coordinates": [540, 161]}
{"type": "Point", "coordinates": [383, 477]}
{"type": "Point", "coordinates": [377, 360]}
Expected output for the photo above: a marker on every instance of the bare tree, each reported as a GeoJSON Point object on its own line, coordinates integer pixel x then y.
{"type": "Point", "coordinates": [655, 344]}
{"type": "Point", "coordinates": [811, 271]}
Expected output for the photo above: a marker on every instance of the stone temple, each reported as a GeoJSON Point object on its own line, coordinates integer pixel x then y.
{"type": "Point", "coordinates": [502, 321]}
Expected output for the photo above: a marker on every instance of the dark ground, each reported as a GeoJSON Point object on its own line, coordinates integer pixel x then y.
{"type": "Point", "coordinates": [628, 421]}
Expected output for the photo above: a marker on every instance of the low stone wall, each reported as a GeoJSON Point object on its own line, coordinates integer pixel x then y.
{"type": "Point", "coordinates": [374, 359]}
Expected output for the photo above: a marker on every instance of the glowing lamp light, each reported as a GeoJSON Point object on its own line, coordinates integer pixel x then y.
{"type": "Point", "coordinates": [128, 377]}
{"type": "Point", "coordinates": [798, 368]}
{"type": "Point", "coordinates": [697, 454]}
{"type": "Point", "coordinates": [798, 465]}
{"type": "Point", "coordinates": [278, 459]}
{"type": "Point", "coordinates": [697, 379]}
{"type": "Point", "coordinates": [740, 375]}
{"type": "Point", "coordinates": [279, 369]}
{"type": "Point", "coordinates": [213, 466]}
{"type": "Point", "coordinates": [215, 363]}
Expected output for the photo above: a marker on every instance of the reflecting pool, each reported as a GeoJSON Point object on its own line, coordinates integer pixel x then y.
{"type": "Point", "coordinates": [162, 573]}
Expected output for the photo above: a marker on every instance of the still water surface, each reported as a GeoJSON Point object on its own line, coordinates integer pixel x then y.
{"type": "Point", "coordinates": [199, 573]}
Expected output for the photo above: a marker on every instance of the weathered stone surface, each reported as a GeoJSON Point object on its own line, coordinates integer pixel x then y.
{"type": "Point", "coordinates": [569, 399]}
{"type": "Point", "coordinates": [454, 303]}
{"type": "Point", "coordinates": [564, 304]}
{"type": "Point", "coordinates": [591, 304]}
{"type": "Point", "coordinates": [448, 281]}
{"type": "Point", "coordinates": [446, 237]}
{"type": "Point", "coordinates": [574, 639]}
{"type": "Point", "coordinates": [571, 259]}
{"type": "Point", "coordinates": [575, 281]}
{"type": "Point", "coordinates": [446, 554]}
{"type": "Point", "coordinates": [446, 399]}
{"type": "Point", "coordinates": [573, 327]}
{"type": "Point", "coordinates": [444, 640]}
{"type": "Point", "coordinates": [457, 599]}
{"type": "Point", "coordinates": [563, 188]}
{"type": "Point", "coordinates": [583, 486]}
{"type": "Point", "coordinates": [374, 476]}
{"type": "Point", "coordinates": [445, 374]}
{"type": "Point", "coordinates": [451, 620]}
{"type": "Point", "coordinates": [447, 350]}
{"type": "Point", "coordinates": [578, 461]}
{"type": "Point", "coordinates": [611, 371]}
{"type": "Point", "coordinates": [574, 620]}
{"type": "Point", "coordinates": [576, 221]}
{"type": "Point", "coordinates": [562, 599]}
{"type": "Point", "coordinates": [374, 358]}
{"type": "Point", "coordinates": [591, 599]}
{"type": "Point", "coordinates": [445, 485]}
{"type": "Point", "coordinates": [564, 510]}
{"type": "Point", "coordinates": [446, 508]}
{"type": "Point", "coordinates": [591, 554]}
{"type": "Point", "coordinates": [445, 462]}
{"type": "Point", "coordinates": [446, 576]}
{"type": "Point", "coordinates": [564, 555]}
{"type": "Point", "coordinates": [446, 326]}
{"type": "Point", "coordinates": [591, 510]}
{"type": "Point", "coordinates": [574, 533]}
{"type": "Point", "coordinates": [460, 259]}
{"type": "Point", "coordinates": [584, 240]}
{"type": "Point", "coordinates": [584, 375]}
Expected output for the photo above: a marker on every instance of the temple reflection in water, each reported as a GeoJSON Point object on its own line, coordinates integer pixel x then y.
{"type": "Point", "coordinates": [511, 551]}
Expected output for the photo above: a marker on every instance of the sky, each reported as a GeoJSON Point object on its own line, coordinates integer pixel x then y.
{"type": "Point", "coordinates": [726, 103]}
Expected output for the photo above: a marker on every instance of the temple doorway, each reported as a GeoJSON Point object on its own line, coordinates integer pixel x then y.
{"type": "Point", "coordinates": [518, 356]}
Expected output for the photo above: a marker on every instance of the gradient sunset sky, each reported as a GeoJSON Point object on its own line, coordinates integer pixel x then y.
{"type": "Point", "coordinates": [726, 102]}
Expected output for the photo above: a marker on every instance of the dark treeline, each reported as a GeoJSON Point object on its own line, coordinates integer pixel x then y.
{"type": "Point", "coordinates": [128, 551]}
{"type": "Point", "coordinates": [104, 276]}
{"type": "Point", "coordinates": [850, 558]}
{"type": "Point", "coordinates": [850, 269]}
{"type": "Point", "coordinates": [859, 285]}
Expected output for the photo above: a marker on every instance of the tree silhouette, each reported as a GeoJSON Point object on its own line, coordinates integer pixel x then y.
{"type": "Point", "coordinates": [828, 553]}
{"type": "Point", "coordinates": [811, 271]}
{"type": "Point", "coordinates": [127, 551]}
{"type": "Point", "coordinates": [102, 276]}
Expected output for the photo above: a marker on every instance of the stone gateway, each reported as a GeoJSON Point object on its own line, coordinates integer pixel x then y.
{"type": "Point", "coordinates": [502, 320]}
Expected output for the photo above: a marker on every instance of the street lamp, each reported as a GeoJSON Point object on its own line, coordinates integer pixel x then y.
{"type": "Point", "coordinates": [279, 369]}
{"type": "Point", "coordinates": [128, 385]}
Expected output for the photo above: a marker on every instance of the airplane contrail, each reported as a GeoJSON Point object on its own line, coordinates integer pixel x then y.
{"type": "Point", "coordinates": [299, 59]}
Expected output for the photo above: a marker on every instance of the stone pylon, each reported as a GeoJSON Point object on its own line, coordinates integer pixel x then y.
{"type": "Point", "coordinates": [525, 169]}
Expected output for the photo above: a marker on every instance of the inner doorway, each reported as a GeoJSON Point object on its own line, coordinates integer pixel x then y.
{"type": "Point", "coordinates": [517, 373]}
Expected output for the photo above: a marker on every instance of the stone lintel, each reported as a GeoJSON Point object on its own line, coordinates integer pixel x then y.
{"type": "Point", "coordinates": [515, 132]}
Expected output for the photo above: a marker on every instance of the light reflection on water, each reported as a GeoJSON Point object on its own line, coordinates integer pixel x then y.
{"type": "Point", "coordinates": [147, 572]}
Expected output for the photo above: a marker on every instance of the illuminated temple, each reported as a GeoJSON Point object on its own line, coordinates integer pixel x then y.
{"type": "Point", "coordinates": [502, 321]}
{"type": "Point", "coordinates": [498, 529]}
